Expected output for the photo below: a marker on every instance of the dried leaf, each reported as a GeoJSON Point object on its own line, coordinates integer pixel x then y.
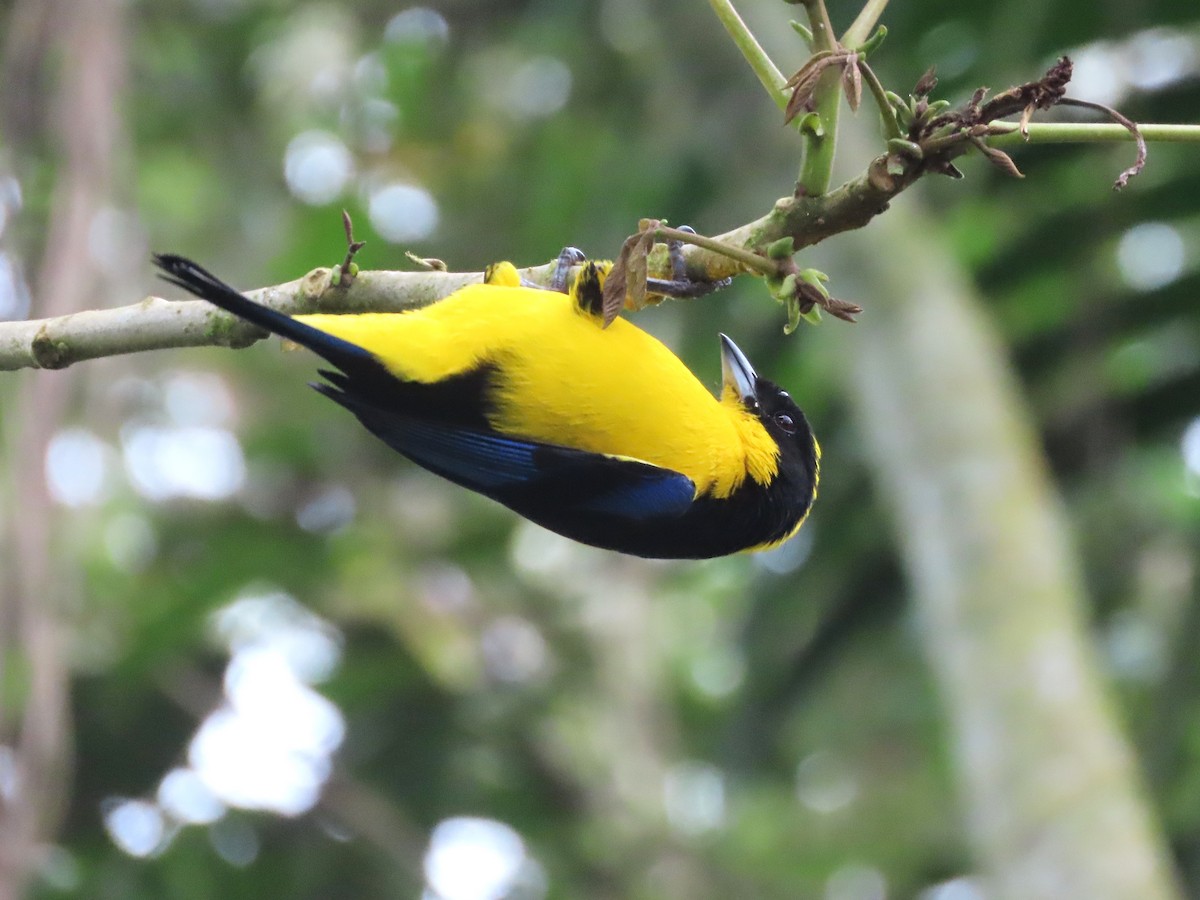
{"type": "Point", "coordinates": [842, 309]}
{"type": "Point", "coordinates": [1026, 115]}
{"type": "Point", "coordinates": [1140, 162]}
{"type": "Point", "coordinates": [626, 281]}
{"type": "Point", "coordinates": [926, 83]}
{"type": "Point", "coordinates": [998, 158]}
{"type": "Point", "coordinates": [804, 82]}
{"type": "Point", "coordinates": [1041, 94]}
{"type": "Point", "coordinates": [852, 82]}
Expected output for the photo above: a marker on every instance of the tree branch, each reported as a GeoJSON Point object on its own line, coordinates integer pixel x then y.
{"type": "Point", "coordinates": [768, 74]}
{"type": "Point", "coordinates": [933, 139]}
{"type": "Point", "coordinates": [158, 324]}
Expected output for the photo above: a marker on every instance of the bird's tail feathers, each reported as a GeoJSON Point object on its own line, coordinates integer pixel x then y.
{"type": "Point", "coordinates": [197, 280]}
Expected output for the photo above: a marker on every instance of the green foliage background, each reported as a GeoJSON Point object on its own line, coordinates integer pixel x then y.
{"type": "Point", "coordinates": [820, 683]}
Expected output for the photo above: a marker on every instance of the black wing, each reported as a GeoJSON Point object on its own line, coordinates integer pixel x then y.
{"type": "Point", "coordinates": [521, 473]}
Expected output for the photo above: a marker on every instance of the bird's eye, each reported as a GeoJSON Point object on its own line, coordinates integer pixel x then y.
{"type": "Point", "coordinates": [784, 421]}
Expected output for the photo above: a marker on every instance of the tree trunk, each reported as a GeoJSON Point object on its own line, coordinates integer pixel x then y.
{"type": "Point", "coordinates": [1053, 798]}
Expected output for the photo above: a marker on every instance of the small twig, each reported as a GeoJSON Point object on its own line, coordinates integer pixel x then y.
{"type": "Point", "coordinates": [891, 128]}
{"type": "Point", "coordinates": [344, 274]}
{"type": "Point", "coordinates": [768, 73]}
{"type": "Point", "coordinates": [748, 259]}
{"type": "Point", "coordinates": [1004, 133]}
{"type": "Point", "coordinates": [428, 263]}
{"type": "Point", "coordinates": [1128, 124]}
{"type": "Point", "coordinates": [862, 25]}
{"type": "Point", "coordinates": [822, 27]}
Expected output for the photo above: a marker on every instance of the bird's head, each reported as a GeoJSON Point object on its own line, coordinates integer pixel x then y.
{"type": "Point", "coordinates": [799, 454]}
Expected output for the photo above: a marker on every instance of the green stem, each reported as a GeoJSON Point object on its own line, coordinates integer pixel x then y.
{"type": "Point", "coordinates": [768, 74]}
{"type": "Point", "coordinates": [747, 258]}
{"type": "Point", "coordinates": [1088, 132]}
{"type": "Point", "coordinates": [862, 27]}
{"type": "Point", "coordinates": [822, 28]}
{"type": "Point", "coordinates": [817, 168]}
{"type": "Point", "coordinates": [891, 128]}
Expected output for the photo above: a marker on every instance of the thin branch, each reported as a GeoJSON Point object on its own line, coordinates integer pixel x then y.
{"type": "Point", "coordinates": [753, 262]}
{"type": "Point", "coordinates": [891, 128]}
{"type": "Point", "coordinates": [1122, 120]}
{"type": "Point", "coordinates": [822, 27]}
{"type": "Point", "coordinates": [768, 74]}
{"type": "Point", "coordinates": [157, 324]}
{"type": "Point", "coordinates": [344, 274]}
{"type": "Point", "coordinates": [821, 136]}
{"type": "Point", "coordinates": [935, 137]}
{"type": "Point", "coordinates": [1007, 134]}
{"type": "Point", "coordinates": [863, 24]}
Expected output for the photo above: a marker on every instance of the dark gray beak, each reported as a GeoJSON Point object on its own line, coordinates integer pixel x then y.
{"type": "Point", "coordinates": [737, 372]}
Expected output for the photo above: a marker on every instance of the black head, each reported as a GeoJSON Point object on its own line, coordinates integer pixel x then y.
{"type": "Point", "coordinates": [799, 455]}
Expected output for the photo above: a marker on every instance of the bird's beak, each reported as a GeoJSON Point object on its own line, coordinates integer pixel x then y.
{"type": "Point", "coordinates": [736, 371]}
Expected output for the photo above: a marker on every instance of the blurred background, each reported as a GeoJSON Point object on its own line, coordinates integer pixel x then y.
{"type": "Point", "coordinates": [247, 651]}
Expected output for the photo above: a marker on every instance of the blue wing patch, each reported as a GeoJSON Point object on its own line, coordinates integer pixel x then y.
{"type": "Point", "coordinates": [524, 474]}
{"type": "Point", "coordinates": [504, 466]}
{"type": "Point", "coordinates": [650, 491]}
{"type": "Point", "coordinates": [480, 459]}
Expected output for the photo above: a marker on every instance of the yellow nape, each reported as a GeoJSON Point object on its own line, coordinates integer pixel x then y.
{"type": "Point", "coordinates": [561, 380]}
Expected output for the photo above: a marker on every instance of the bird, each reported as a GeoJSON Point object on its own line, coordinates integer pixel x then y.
{"type": "Point", "coordinates": [601, 434]}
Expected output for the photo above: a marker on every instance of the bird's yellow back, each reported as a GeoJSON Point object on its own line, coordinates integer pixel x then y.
{"type": "Point", "coordinates": [562, 379]}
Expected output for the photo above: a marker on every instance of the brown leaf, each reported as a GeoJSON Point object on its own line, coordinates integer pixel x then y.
{"type": "Point", "coordinates": [804, 82]}
{"type": "Point", "coordinates": [626, 281]}
{"type": "Point", "coordinates": [852, 82]}
{"type": "Point", "coordinates": [998, 158]}
{"type": "Point", "coordinates": [927, 83]}
{"type": "Point", "coordinates": [842, 309]}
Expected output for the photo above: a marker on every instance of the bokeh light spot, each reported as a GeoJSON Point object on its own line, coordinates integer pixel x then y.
{"type": "Point", "coordinates": [719, 672]}
{"type": "Point", "coordinates": [198, 398]}
{"type": "Point", "coordinates": [1159, 57]}
{"type": "Point", "coordinates": [1150, 255]}
{"type": "Point", "coordinates": [513, 650]}
{"type": "Point", "coordinates": [235, 841]}
{"type": "Point", "coordinates": [331, 510]}
{"type": "Point", "coordinates": [824, 784]}
{"type": "Point", "coordinates": [136, 826]}
{"type": "Point", "coordinates": [694, 797]}
{"type": "Point", "coordinates": [960, 888]}
{"type": "Point", "coordinates": [417, 24]}
{"type": "Point", "coordinates": [402, 212]}
{"type": "Point", "coordinates": [317, 166]}
{"type": "Point", "coordinates": [1190, 446]}
{"type": "Point", "coordinates": [474, 859]}
{"type": "Point", "coordinates": [14, 292]}
{"type": "Point", "coordinates": [196, 462]}
{"type": "Point", "coordinates": [187, 799]}
{"type": "Point", "coordinates": [77, 467]}
{"type": "Point", "coordinates": [539, 87]}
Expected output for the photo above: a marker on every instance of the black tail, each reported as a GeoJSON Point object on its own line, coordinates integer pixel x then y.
{"type": "Point", "coordinates": [195, 279]}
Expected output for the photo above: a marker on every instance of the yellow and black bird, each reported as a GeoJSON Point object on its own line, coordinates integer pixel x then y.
{"type": "Point", "coordinates": [600, 434]}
